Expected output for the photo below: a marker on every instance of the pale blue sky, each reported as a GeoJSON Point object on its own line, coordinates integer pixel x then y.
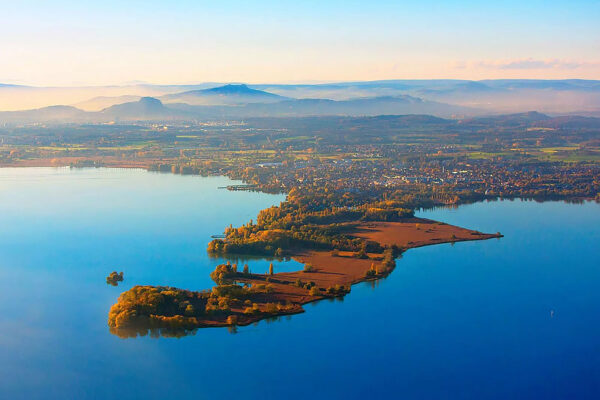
{"type": "Point", "coordinates": [76, 42]}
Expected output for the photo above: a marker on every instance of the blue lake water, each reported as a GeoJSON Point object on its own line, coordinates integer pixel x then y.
{"type": "Point", "coordinates": [516, 317]}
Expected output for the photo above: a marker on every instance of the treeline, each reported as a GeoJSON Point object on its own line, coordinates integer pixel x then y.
{"type": "Point", "coordinates": [279, 242]}
{"type": "Point", "coordinates": [294, 225]}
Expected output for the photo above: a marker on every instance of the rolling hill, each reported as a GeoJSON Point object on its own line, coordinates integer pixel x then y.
{"type": "Point", "coordinates": [145, 109]}
{"type": "Point", "coordinates": [223, 95]}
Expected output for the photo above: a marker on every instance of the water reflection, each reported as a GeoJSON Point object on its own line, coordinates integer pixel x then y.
{"type": "Point", "coordinates": [155, 332]}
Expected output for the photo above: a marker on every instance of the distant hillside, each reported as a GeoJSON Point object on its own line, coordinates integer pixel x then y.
{"type": "Point", "coordinates": [571, 122]}
{"type": "Point", "coordinates": [369, 116]}
{"type": "Point", "coordinates": [145, 109]}
{"type": "Point", "coordinates": [16, 98]}
{"type": "Point", "coordinates": [223, 95]}
{"type": "Point", "coordinates": [569, 96]}
{"type": "Point", "coordinates": [318, 107]}
{"type": "Point", "coordinates": [152, 109]}
{"type": "Point", "coordinates": [55, 114]}
{"type": "Point", "coordinates": [510, 119]}
{"type": "Point", "coordinates": [101, 102]}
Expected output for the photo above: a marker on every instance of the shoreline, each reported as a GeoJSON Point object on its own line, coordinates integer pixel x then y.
{"type": "Point", "coordinates": [114, 162]}
{"type": "Point", "coordinates": [103, 162]}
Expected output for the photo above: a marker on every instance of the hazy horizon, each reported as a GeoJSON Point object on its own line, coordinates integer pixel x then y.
{"type": "Point", "coordinates": [441, 98]}
{"type": "Point", "coordinates": [282, 83]}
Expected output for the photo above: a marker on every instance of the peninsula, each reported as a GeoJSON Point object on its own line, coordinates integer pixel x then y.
{"type": "Point", "coordinates": [241, 297]}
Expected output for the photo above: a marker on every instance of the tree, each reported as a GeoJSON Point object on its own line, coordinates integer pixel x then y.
{"type": "Point", "coordinates": [222, 274]}
{"type": "Point", "coordinates": [271, 269]}
{"type": "Point", "coordinates": [114, 278]}
{"type": "Point", "coordinates": [190, 310]}
{"type": "Point", "coordinates": [371, 272]}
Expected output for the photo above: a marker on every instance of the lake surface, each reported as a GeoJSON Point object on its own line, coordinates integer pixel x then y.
{"type": "Point", "coordinates": [516, 317]}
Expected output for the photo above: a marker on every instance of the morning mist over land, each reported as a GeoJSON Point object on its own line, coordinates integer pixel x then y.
{"type": "Point", "coordinates": [444, 98]}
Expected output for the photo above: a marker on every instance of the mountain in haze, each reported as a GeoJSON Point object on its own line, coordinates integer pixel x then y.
{"type": "Point", "coordinates": [441, 98]}
{"type": "Point", "coordinates": [99, 103]}
{"type": "Point", "coordinates": [570, 122]}
{"type": "Point", "coordinates": [572, 96]}
{"type": "Point", "coordinates": [55, 114]}
{"type": "Point", "coordinates": [152, 109]}
{"type": "Point", "coordinates": [319, 107]}
{"type": "Point", "coordinates": [16, 97]}
{"type": "Point", "coordinates": [223, 95]}
{"type": "Point", "coordinates": [145, 109]}
{"type": "Point", "coordinates": [370, 106]}
{"type": "Point", "coordinates": [585, 85]}
{"type": "Point", "coordinates": [495, 96]}
{"type": "Point", "coordinates": [457, 89]}
{"type": "Point", "coordinates": [399, 113]}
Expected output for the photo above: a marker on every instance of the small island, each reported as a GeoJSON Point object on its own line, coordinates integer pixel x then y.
{"type": "Point", "coordinates": [339, 248]}
{"type": "Point", "coordinates": [114, 278]}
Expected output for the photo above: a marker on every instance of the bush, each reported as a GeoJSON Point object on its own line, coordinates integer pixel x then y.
{"type": "Point", "coordinates": [229, 291]}
{"type": "Point", "coordinates": [314, 291]}
{"type": "Point", "coordinates": [309, 285]}
{"type": "Point", "coordinates": [262, 288]}
{"type": "Point", "coordinates": [252, 310]}
{"type": "Point", "coordinates": [309, 268]}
